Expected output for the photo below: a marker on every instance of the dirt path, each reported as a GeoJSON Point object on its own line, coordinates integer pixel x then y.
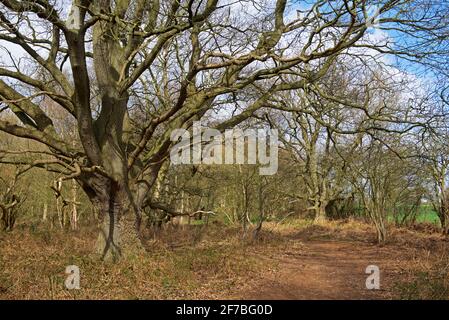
{"type": "Point", "coordinates": [329, 270]}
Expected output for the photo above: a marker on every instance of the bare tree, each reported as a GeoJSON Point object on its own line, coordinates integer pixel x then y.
{"type": "Point", "coordinates": [128, 72]}
{"type": "Point", "coordinates": [435, 157]}
{"type": "Point", "coordinates": [11, 197]}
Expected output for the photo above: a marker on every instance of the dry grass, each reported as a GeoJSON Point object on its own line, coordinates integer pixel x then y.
{"type": "Point", "coordinates": [427, 278]}
{"type": "Point", "coordinates": [186, 264]}
{"type": "Point", "coordinates": [201, 263]}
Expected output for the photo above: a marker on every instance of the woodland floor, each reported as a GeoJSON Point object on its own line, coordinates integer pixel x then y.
{"type": "Point", "coordinates": [332, 262]}
{"type": "Point", "coordinates": [297, 260]}
{"type": "Point", "coordinates": [329, 270]}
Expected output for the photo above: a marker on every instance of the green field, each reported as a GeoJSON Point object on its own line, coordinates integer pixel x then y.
{"type": "Point", "coordinates": [426, 215]}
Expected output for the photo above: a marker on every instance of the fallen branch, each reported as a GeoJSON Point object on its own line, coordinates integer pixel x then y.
{"type": "Point", "coordinates": [174, 213]}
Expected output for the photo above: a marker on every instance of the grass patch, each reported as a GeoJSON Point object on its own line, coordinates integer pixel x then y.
{"type": "Point", "coordinates": [203, 262]}
{"type": "Point", "coordinates": [426, 214]}
{"type": "Point", "coordinates": [213, 268]}
{"type": "Point", "coordinates": [426, 285]}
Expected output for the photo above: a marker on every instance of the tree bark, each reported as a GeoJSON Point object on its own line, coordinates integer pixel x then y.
{"type": "Point", "coordinates": [119, 226]}
{"type": "Point", "coordinates": [320, 212]}
{"type": "Point", "coordinates": [320, 216]}
{"type": "Point", "coordinates": [381, 232]}
{"type": "Point", "coordinates": [119, 233]}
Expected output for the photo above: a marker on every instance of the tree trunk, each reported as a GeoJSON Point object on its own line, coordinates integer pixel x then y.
{"type": "Point", "coordinates": [381, 233]}
{"type": "Point", "coordinates": [378, 215]}
{"type": "Point", "coordinates": [74, 213]}
{"type": "Point", "coordinates": [320, 213]}
{"type": "Point", "coordinates": [261, 214]}
{"type": "Point", "coordinates": [118, 236]}
{"type": "Point", "coordinates": [445, 223]}
{"type": "Point", "coordinates": [443, 214]}
{"type": "Point", "coordinates": [44, 215]}
{"type": "Point", "coordinates": [119, 225]}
